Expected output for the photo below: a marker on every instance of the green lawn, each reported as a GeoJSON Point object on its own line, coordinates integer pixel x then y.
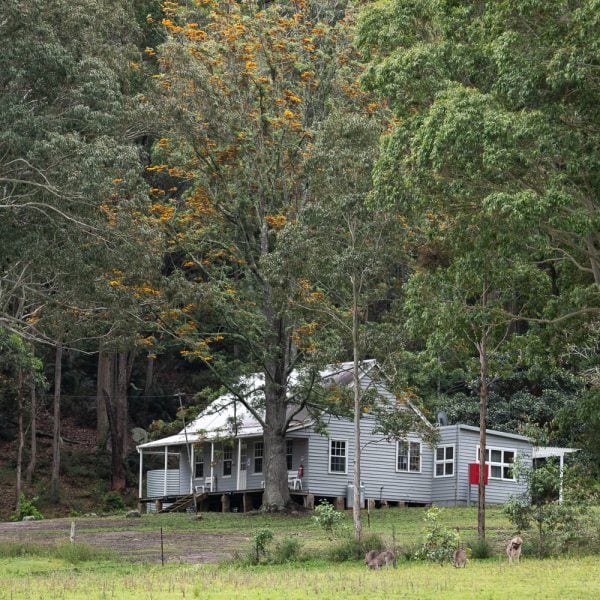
{"type": "Point", "coordinates": [493, 579]}
{"type": "Point", "coordinates": [56, 576]}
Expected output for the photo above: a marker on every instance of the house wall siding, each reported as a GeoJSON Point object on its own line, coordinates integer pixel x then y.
{"type": "Point", "coordinates": [444, 490]}
{"type": "Point", "coordinates": [497, 491]}
{"type": "Point", "coordinates": [378, 465]}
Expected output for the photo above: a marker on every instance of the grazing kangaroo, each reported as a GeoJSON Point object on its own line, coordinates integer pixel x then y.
{"type": "Point", "coordinates": [513, 550]}
{"type": "Point", "coordinates": [375, 560]}
{"type": "Point", "coordinates": [460, 558]}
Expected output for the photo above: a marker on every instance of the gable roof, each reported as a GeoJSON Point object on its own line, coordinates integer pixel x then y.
{"type": "Point", "coordinates": [228, 417]}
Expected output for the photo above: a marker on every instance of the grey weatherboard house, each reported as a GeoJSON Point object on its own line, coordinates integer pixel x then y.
{"type": "Point", "coordinates": [220, 465]}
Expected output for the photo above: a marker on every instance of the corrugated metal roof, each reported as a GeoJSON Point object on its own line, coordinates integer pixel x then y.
{"type": "Point", "coordinates": [228, 417]}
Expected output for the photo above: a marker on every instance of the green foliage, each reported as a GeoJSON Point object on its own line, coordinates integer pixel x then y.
{"type": "Point", "coordinates": [287, 550]}
{"type": "Point", "coordinates": [439, 542]}
{"type": "Point", "coordinates": [559, 527]}
{"type": "Point", "coordinates": [349, 548]}
{"type": "Point", "coordinates": [481, 549]}
{"type": "Point", "coordinates": [112, 502]}
{"type": "Point", "coordinates": [260, 544]}
{"type": "Point", "coordinates": [27, 508]}
{"type": "Point", "coordinates": [327, 518]}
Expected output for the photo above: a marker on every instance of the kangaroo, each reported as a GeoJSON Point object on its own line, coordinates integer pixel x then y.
{"type": "Point", "coordinates": [375, 560]}
{"type": "Point", "coordinates": [513, 550]}
{"type": "Point", "coordinates": [460, 558]}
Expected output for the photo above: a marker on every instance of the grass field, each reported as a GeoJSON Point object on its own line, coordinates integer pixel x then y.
{"type": "Point", "coordinates": [491, 579]}
{"type": "Point", "coordinates": [54, 575]}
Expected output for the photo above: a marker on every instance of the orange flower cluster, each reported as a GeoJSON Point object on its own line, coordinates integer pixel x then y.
{"type": "Point", "coordinates": [276, 221]}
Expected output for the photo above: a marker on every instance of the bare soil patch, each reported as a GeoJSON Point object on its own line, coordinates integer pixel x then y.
{"type": "Point", "coordinates": [129, 538]}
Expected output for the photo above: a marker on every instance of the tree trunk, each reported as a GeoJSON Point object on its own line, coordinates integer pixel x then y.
{"type": "Point", "coordinates": [115, 404]}
{"type": "Point", "coordinates": [104, 385]}
{"type": "Point", "coordinates": [148, 382]}
{"type": "Point", "coordinates": [483, 393]}
{"type": "Point", "coordinates": [55, 477]}
{"type": "Point", "coordinates": [33, 450]}
{"type": "Point", "coordinates": [21, 443]}
{"type": "Point", "coordinates": [357, 412]}
{"type": "Point", "coordinates": [124, 366]}
{"type": "Point", "coordinates": [277, 494]}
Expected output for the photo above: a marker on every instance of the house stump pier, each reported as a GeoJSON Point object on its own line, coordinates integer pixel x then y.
{"type": "Point", "coordinates": [225, 503]}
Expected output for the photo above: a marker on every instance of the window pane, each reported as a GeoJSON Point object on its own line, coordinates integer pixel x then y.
{"type": "Point", "coordinates": [258, 454]}
{"type": "Point", "coordinates": [449, 468]}
{"type": "Point", "coordinates": [338, 464]}
{"type": "Point", "coordinates": [402, 463]}
{"type": "Point", "coordinates": [507, 474]}
{"type": "Point", "coordinates": [200, 469]}
{"type": "Point", "coordinates": [496, 456]}
{"type": "Point", "coordinates": [402, 449]}
{"type": "Point", "coordinates": [449, 452]}
{"type": "Point", "coordinates": [439, 469]}
{"type": "Point", "coordinates": [496, 471]}
{"type": "Point", "coordinates": [509, 457]}
{"type": "Point", "coordinates": [415, 456]}
{"type": "Point", "coordinates": [439, 453]}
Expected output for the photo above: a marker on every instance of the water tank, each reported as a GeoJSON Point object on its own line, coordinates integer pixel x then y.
{"type": "Point", "coordinates": [350, 495]}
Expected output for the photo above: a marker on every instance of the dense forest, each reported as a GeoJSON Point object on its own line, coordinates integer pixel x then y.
{"type": "Point", "coordinates": [194, 191]}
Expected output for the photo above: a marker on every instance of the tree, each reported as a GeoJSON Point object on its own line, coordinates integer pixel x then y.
{"type": "Point", "coordinates": [458, 166]}
{"type": "Point", "coordinates": [245, 87]}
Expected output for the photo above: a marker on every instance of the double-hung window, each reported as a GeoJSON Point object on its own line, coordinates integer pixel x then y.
{"type": "Point", "coordinates": [227, 460]}
{"type": "Point", "coordinates": [408, 457]}
{"type": "Point", "coordinates": [199, 471]}
{"type": "Point", "coordinates": [444, 461]}
{"type": "Point", "coordinates": [289, 453]}
{"type": "Point", "coordinates": [501, 461]}
{"type": "Point", "coordinates": [258, 457]}
{"type": "Point", "coordinates": [337, 456]}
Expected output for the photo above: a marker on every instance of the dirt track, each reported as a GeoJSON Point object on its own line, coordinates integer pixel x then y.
{"type": "Point", "coordinates": [134, 539]}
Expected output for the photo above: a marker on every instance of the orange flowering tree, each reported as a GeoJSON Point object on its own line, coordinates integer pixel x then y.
{"type": "Point", "coordinates": [244, 88]}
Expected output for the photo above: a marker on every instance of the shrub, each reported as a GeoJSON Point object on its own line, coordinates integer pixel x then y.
{"type": "Point", "coordinates": [481, 549]}
{"type": "Point", "coordinates": [112, 502]}
{"type": "Point", "coordinates": [559, 527]}
{"type": "Point", "coordinates": [27, 508]}
{"type": "Point", "coordinates": [348, 548]}
{"type": "Point", "coordinates": [439, 542]}
{"type": "Point", "coordinates": [327, 518]}
{"type": "Point", "coordinates": [260, 544]}
{"type": "Point", "coordinates": [287, 550]}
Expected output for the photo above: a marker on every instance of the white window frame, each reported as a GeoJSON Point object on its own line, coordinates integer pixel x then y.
{"type": "Point", "coordinates": [408, 456]}
{"type": "Point", "coordinates": [289, 453]}
{"type": "Point", "coordinates": [344, 456]}
{"type": "Point", "coordinates": [261, 456]}
{"type": "Point", "coordinates": [229, 450]}
{"type": "Point", "coordinates": [445, 461]}
{"type": "Point", "coordinates": [501, 464]}
{"type": "Point", "coordinates": [199, 460]}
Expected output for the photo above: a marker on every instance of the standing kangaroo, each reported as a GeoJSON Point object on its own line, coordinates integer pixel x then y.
{"type": "Point", "coordinates": [460, 558]}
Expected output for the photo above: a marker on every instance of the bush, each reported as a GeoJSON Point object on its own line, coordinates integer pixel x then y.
{"type": "Point", "coordinates": [112, 502]}
{"type": "Point", "coordinates": [439, 542]}
{"type": "Point", "coordinates": [287, 550]}
{"type": "Point", "coordinates": [260, 544]}
{"type": "Point", "coordinates": [327, 518]}
{"type": "Point", "coordinates": [481, 549]}
{"type": "Point", "coordinates": [27, 508]}
{"type": "Point", "coordinates": [348, 548]}
{"type": "Point", "coordinates": [559, 527]}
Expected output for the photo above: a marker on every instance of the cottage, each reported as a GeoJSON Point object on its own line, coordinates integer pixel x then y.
{"type": "Point", "coordinates": [218, 458]}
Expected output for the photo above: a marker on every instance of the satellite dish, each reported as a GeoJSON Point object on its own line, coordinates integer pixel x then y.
{"type": "Point", "coordinates": [442, 418]}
